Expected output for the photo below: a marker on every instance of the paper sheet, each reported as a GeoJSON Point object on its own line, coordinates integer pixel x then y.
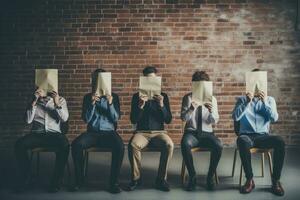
{"type": "Point", "coordinates": [202, 92]}
{"type": "Point", "coordinates": [47, 79]}
{"type": "Point", "coordinates": [256, 81]}
{"type": "Point", "coordinates": [150, 86]}
{"type": "Point", "coordinates": [103, 84]}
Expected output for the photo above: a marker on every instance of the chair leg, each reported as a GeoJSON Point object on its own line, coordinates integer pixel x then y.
{"type": "Point", "coordinates": [30, 165]}
{"type": "Point", "coordinates": [217, 178]}
{"type": "Point", "coordinates": [241, 175]}
{"type": "Point", "coordinates": [270, 163]}
{"type": "Point", "coordinates": [68, 172]}
{"type": "Point", "coordinates": [37, 164]}
{"type": "Point", "coordinates": [234, 162]}
{"type": "Point", "coordinates": [183, 172]}
{"type": "Point", "coordinates": [263, 165]}
{"type": "Point", "coordinates": [86, 165]}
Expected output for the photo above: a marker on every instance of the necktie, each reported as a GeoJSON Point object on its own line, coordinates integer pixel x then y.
{"type": "Point", "coordinates": [199, 119]}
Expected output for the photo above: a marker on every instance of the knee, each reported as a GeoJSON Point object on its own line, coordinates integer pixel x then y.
{"type": "Point", "coordinates": [169, 145]}
{"type": "Point", "coordinates": [279, 142]}
{"type": "Point", "coordinates": [135, 145]}
{"type": "Point", "coordinates": [186, 144]}
{"type": "Point", "coordinates": [65, 143]}
{"type": "Point", "coordinates": [77, 144]}
{"type": "Point", "coordinates": [242, 141]}
{"type": "Point", "coordinates": [219, 146]}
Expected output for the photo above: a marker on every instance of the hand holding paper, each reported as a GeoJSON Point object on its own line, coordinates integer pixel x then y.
{"type": "Point", "coordinates": [257, 82]}
{"type": "Point", "coordinates": [202, 92]}
{"type": "Point", "coordinates": [150, 86]}
{"type": "Point", "coordinates": [103, 84]}
{"type": "Point", "coordinates": [46, 79]}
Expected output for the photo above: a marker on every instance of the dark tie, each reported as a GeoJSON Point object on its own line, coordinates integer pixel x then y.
{"type": "Point", "coordinates": [199, 120]}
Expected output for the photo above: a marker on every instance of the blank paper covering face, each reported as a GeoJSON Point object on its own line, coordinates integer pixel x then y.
{"type": "Point", "coordinates": [104, 84]}
{"type": "Point", "coordinates": [256, 81]}
{"type": "Point", "coordinates": [150, 86]}
{"type": "Point", "coordinates": [47, 79]}
{"type": "Point", "coordinates": [202, 92]}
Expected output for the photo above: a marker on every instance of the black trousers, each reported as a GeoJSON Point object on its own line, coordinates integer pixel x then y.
{"type": "Point", "coordinates": [245, 142]}
{"type": "Point", "coordinates": [105, 139]}
{"type": "Point", "coordinates": [208, 140]}
{"type": "Point", "coordinates": [44, 140]}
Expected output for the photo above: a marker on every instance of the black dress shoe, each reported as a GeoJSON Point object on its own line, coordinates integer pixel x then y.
{"type": "Point", "coordinates": [210, 183]}
{"type": "Point", "coordinates": [191, 183]}
{"type": "Point", "coordinates": [247, 187]}
{"type": "Point", "coordinates": [277, 188]}
{"type": "Point", "coordinates": [134, 184]}
{"type": "Point", "coordinates": [53, 189]}
{"type": "Point", "coordinates": [75, 188]}
{"type": "Point", "coordinates": [162, 185]}
{"type": "Point", "coordinates": [115, 189]}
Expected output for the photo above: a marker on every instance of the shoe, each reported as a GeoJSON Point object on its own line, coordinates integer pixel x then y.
{"type": "Point", "coordinates": [20, 189]}
{"type": "Point", "coordinates": [277, 188]}
{"type": "Point", "coordinates": [191, 183]}
{"type": "Point", "coordinates": [248, 187]}
{"type": "Point", "coordinates": [53, 189]}
{"type": "Point", "coordinates": [115, 189]}
{"type": "Point", "coordinates": [134, 184]}
{"type": "Point", "coordinates": [162, 185]}
{"type": "Point", "coordinates": [210, 183]}
{"type": "Point", "coordinates": [75, 188]}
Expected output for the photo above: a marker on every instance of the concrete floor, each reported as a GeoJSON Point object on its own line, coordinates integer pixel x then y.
{"type": "Point", "coordinates": [99, 166]}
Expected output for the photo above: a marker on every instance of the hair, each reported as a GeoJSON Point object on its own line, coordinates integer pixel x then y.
{"type": "Point", "coordinates": [256, 70]}
{"type": "Point", "coordinates": [95, 78]}
{"type": "Point", "coordinates": [200, 76]}
{"type": "Point", "coordinates": [148, 70]}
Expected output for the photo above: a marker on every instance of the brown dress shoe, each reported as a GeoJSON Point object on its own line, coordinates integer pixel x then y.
{"type": "Point", "coordinates": [277, 188]}
{"type": "Point", "coordinates": [248, 187]}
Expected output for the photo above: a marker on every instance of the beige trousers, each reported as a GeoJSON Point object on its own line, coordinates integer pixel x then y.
{"type": "Point", "coordinates": [157, 140]}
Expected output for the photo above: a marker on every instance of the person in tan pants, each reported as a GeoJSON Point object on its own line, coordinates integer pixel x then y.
{"type": "Point", "coordinates": [149, 117]}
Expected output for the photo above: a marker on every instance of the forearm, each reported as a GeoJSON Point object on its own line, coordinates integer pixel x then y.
{"type": "Point", "coordinates": [29, 114]}
{"type": "Point", "coordinates": [114, 114]}
{"type": "Point", "coordinates": [239, 111]}
{"type": "Point", "coordinates": [270, 112]}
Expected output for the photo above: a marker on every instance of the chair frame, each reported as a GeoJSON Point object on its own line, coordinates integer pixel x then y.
{"type": "Point", "coordinates": [64, 128]}
{"type": "Point", "coordinates": [183, 166]}
{"type": "Point", "coordinates": [253, 150]}
{"type": "Point", "coordinates": [100, 149]}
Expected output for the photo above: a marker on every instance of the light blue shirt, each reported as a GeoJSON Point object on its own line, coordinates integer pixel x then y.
{"type": "Point", "coordinates": [255, 116]}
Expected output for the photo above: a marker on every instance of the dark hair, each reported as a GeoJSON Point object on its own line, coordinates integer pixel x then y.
{"type": "Point", "coordinates": [95, 78]}
{"type": "Point", "coordinates": [256, 70]}
{"type": "Point", "coordinates": [200, 76]}
{"type": "Point", "coordinates": [148, 70]}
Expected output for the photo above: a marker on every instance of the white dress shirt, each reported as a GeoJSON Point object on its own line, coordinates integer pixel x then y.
{"type": "Point", "coordinates": [190, 116]}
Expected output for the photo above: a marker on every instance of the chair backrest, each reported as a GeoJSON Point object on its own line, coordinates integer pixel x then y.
{"type": "Point", "coordinates": [64, 127]}
{"type": "Point", "coordinates": [236, 125]}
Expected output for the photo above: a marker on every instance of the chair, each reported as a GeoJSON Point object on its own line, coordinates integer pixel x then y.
{"type": "Point", "coordinates": [261, 151]}
{"type": "Point", "coordinates": [38, 150]}
{"type": "Point", "coordinates": [195, 149]}
{"type": "Point", "coordinates": [99, 149]}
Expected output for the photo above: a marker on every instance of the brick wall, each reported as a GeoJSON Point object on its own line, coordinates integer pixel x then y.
{"type": "Point", "coordinates": [224, 37]}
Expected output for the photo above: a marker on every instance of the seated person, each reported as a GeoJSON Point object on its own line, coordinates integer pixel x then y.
{"type": "Point", "coordinates": [101, 115]}
{"type": "Point", "coordinates": [150, 115]}
{"type": "Point", "coordinates": [198, 132]}
{"type": "Point", "coordinates": [45, 112]}
{"type": "Point", "coordinates": [254, 114]}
